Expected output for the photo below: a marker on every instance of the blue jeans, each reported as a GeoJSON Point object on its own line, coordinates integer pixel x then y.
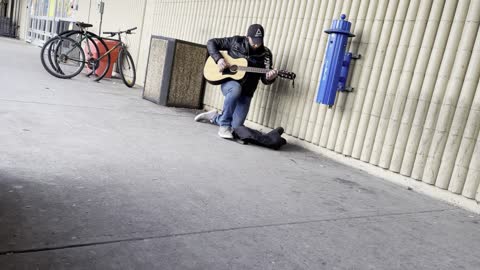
{"type": "Point", "coordinates": [235, 106]}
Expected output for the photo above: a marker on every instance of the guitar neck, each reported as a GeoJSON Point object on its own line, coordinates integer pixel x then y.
{"type": "Point", "coordinates": [254, 69]}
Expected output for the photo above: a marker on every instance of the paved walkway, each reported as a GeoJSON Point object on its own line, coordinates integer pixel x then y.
{"type": "Point", "coordinates": [94, 177]}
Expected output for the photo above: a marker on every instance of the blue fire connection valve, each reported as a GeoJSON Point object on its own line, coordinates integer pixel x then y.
{"type": "Point", "coordinates": [336, 63]}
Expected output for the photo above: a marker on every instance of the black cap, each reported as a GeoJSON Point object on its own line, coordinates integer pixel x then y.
{"type": "Point", "coordinates": [256, 32]}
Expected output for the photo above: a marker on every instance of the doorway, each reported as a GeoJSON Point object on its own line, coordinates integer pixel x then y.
{"type": "Point", "coordinates": [9, 15]}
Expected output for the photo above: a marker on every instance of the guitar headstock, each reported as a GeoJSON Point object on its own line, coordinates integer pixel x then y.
{"type": "Point", "coordinates": [287, 75]}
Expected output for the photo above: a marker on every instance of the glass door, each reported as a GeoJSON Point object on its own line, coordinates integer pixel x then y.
{"type": "Point", "coordinates": [48, 18]}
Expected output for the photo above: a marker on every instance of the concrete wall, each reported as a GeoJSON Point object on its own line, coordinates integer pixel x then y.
{"type": "Point", "coordinates": [416, 105]}
{"type": "Point", "coordinates": [118, 15]}
{"type": "Point", "coordinates": [23, 20]}
{"type": "Point", "coordinates": [9, 8]}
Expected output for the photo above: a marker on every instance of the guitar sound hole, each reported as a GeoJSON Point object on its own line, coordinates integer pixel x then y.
{"type": "Point", "coordinates": [230, 70]}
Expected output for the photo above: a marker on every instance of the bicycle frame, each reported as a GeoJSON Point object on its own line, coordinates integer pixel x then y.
{"type": "Point", "coordinates": [84, 37]}
{"type": "Point", "coordinates": [120, 44]}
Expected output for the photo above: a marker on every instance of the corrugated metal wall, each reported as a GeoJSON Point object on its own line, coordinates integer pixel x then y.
{"type": "Point", "coordinates": [415, 109]}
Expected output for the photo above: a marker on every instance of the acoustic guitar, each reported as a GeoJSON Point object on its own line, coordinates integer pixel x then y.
{"type": "Point", "coordinates": [236, 71]}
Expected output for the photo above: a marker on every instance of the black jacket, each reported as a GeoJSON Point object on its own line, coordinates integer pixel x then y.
{"type": "Point", "coordinates": [238, 47]}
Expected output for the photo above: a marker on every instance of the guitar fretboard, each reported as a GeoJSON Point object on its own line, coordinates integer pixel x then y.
{"type": "Point", "coordinates": [254, 69]}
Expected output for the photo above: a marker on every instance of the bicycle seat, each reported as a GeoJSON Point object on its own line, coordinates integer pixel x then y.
{"type": "Point", "coordinates": [83, 25]}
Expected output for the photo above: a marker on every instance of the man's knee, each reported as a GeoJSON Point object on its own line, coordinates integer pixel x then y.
{"type": "Point", "coordinates": [234, 90]}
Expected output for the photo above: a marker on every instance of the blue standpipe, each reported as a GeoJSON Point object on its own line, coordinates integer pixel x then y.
{"type": "Point", "coordinates": [336, 63]}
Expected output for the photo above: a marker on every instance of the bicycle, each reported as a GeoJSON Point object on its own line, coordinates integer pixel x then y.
{"type": "Point", "coordinates": [65, 54]}
{"type": "Point", "coordinates": [86, 40]}
{"type": "Point", "coordinates": [125, 64]}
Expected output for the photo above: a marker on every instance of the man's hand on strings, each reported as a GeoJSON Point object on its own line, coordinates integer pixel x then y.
{"type": "Point", "coordinates": [272, 74]}
{"type": "Point", "coordinates": [222, 65]}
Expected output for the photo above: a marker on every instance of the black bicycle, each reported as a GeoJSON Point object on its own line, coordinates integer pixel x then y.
{"type": "Point", "coordinates": [125, 64]}
{"type": "Point", "coordinates": [54, 58]}
{"type": "Point", "coordinates": [65, 57]}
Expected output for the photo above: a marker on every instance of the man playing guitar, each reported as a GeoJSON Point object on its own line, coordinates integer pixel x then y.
{"type": "Point", "coordinates": [238, 94]}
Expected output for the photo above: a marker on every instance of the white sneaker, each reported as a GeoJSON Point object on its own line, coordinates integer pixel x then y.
{"type": "Point", "coordinates": [225, 132]}
{"type": "Point", "coordinates": [206, 116]}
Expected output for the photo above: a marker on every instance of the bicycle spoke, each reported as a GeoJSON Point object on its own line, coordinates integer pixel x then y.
{"type": "Point", "coordinates": [67, 58]}
{"type": "Point", "coordinates": [127, 70]}
{"type": "Point", "coordinates": [76, 60]}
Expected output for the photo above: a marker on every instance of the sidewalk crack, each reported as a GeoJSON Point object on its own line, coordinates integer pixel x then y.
{"type": "Point", "coordinates": [136, 239]}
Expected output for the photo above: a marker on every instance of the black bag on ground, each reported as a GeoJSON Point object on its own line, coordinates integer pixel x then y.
{"type": "Point", "coordinates": [272, 140]}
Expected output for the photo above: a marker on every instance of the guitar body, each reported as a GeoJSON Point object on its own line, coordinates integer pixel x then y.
{"type": "Point", "coordinates": [213, 76]}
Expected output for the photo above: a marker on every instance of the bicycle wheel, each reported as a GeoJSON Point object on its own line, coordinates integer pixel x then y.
{"type": "Point", "coordinates": [51, 56]}
{"type": "Point", "coordinates": [127, 68]}
{"type": "Point", "coordinates": [47, 53]}
{"type": "Point", "coordinates": [52, 52]}
{"type": "Point", "coordinates": [94, 47]}
{"type": "Point", "coordinates": [89, 46]}
{"type": "Point", "coordinates": [67, 56]}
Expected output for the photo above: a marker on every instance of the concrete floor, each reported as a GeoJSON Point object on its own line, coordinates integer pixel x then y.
{"type": "Point", "coordinates": [94, 177]}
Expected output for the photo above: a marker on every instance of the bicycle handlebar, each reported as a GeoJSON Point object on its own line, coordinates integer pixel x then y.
{"type": "Point", "coordinates": [129, 31]}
